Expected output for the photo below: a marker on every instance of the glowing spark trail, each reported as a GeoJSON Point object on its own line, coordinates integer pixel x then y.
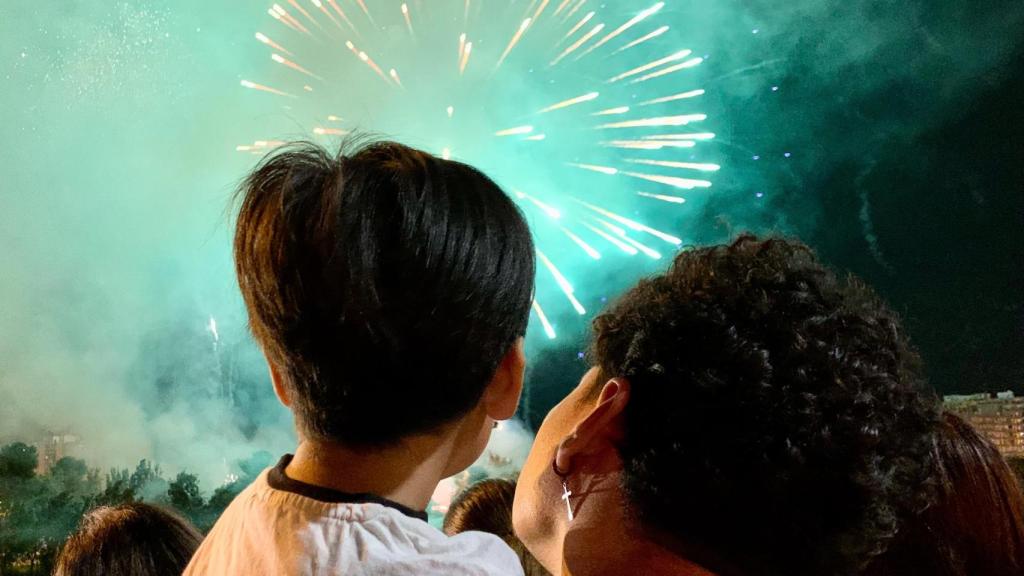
{"type": "Point", "coordinates": [365, 10]}
{"type": "Point", "coordinates": [515, 40]}
{"type": "Point", "coordinates": [394, 76]}
{"type": "Point", "coordinates": [304, 13]}
{"type": "Point", "coordinates": [548, 329]}
{"type": "Point", "coordinates": [259, 146]}
{"type": "Point", "coordinates": [571, 102]}
{"type": "Point", "coordinates": [282, 20]}
{"type": "Point", "coordinates": [562, 283]}
{"type": "Point", "coordinates": [518, 130]}
{"type": "Point", "coordinates": [682, 165]}
{"type": "Point", "coordinates": [612, 111]}
{"type": "Point", "coordinates": [583, 40]}
{"type": "Point", "coordinates": [669, 70]}
{"type": "Point", "coordinates": [366, 58]}
{"type": "Point", "coordinates": [408, 20]}
{"type": "Point", "coordinates": [622, 236]}
{"type": "Point", "coordinates": [643, 39]}
{"type": "Point", "coordinates": [662, 121]}
{"type": "Point", "coordinates": [648, 144]}
{"type": "Point", "coordinates": [342, 14]}
{"type": "Point", "coordinates": [641, 247]}
{"type": "Point", "coordinates": [211, 327]}
{"type": "Point", "coordinates": [291, 19]}
{"type": "Point", "coordinates": [465, 57]}
{"type": "Point", "coordinates": [629, 24]}
{"type": "Point", "coordinates": [551, 211]}
{"type": "Point", "coordinates": [369, 62]}
{"type": "Point", "coordinates": [684, 183]}
{"type": "Point", "coordinates": [663, 197]}
{"type": "Point", "coordinates": [576, 28]}
{"type": "Point", "coordinates": [575, 9]}
{"type": "Point", "coordinates": [613, 240]}
{"type": "Point", "coordinates": [595, 168]}
{"type": "Point", "coordinates": [691, 136]}
{"type": "Point", "coordinates": [651, 65]}
{"type": "Point", "coordinates": [673, 98]}
{"type": "Point", "coordinates": [633, 224]}
{"type": "Point", "coordinates": [562, 6]}
{"type": "Point", "coordinates": [254, 86]}
{"type": "Point", "coordinates": [282, 60]}
{"type": "Point", "coordinates": [321, 131]}
{"type": "Point", "coordinates": [263, 38]}
{"type": "Point", "coordinates": [579, 242]}
{"type": "Point", "coordinates": [322, 8]}
{"type": "Point", "coordinates": [462, 45]}
{"type": "Point", "coordinates": [540, 10]}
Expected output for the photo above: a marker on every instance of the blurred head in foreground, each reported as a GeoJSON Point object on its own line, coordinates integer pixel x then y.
{"type": "Point", "coordinates": [487, 507]}
{"type": "Point", "coordinates": [129, 540]}
{"type": "Point", "coordinates": [748, 411]}
{"type": "Point", "coordinates": [976, 526]}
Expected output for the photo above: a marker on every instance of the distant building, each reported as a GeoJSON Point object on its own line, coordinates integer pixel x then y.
{"type": "Point", "coordinates": [52, 448]}
{"type": "Point", "coordinates": [999, 417]}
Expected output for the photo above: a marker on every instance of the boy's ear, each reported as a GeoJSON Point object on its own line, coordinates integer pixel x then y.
{"type": "Point", "coordinates": [501, 398]}
{"type": "Point", "coordinates": [599, 430]}
{"type": "Point", "coordinates": [279, 388]}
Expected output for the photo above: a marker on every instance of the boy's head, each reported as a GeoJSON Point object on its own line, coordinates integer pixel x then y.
{"type": "Point", "coordinates": [388, 288]}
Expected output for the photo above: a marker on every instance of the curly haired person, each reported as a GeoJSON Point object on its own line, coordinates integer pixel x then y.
{"type": "Point", "coordinates": [748, 412]}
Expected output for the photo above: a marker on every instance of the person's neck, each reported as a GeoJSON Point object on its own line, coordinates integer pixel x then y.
{"type": "Point", "coordinates": [603, 540]}
{"type": "Point", "coordinates": [407, 473]}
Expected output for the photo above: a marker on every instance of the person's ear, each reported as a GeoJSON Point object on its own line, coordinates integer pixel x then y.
{"type": "Point", "coordinates": [501, 398]}
{"type": "Point", "coordinates": [600, 429]}
{"type": "Point", "coordinates": [279, 388]}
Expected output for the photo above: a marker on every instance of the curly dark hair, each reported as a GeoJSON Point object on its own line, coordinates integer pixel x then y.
{"type": "Point", "coordinates": [777, 422]}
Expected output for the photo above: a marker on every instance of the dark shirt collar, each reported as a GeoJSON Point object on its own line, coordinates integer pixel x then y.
{"type": "Point", "coordinates": [279, 480]}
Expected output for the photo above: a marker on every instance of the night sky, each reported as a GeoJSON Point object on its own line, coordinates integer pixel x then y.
{"type": "Point", "coordinates": [887, 135]}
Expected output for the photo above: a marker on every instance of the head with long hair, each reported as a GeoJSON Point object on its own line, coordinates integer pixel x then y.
{"type": "Point", "coordinates": [976, 526]}
{"type": "Point", "coordinates": [487, 507]}
{"type": "Point", "coordinates": [129, 540]}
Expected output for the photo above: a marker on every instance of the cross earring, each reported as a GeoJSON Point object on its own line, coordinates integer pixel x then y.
{"type": "Point", "coordinates": [566, 493]}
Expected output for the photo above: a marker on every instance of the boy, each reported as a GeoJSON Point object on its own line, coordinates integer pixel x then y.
{"type": "Point", "coordinates": [389, 291]}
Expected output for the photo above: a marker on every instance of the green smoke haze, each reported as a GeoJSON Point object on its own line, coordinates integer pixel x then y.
{"type": "Point", "coordinates": [870, 129]}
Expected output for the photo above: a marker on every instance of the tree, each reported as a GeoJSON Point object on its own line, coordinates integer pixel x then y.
{"type": "Point", "coordinates": [184, 494]}
{"type": "Point", "coordinates": [70, 475]}
{"type": "Point", "coordinates": [117, 490]}
{"type": "Point", "coordinates": [18, 460]}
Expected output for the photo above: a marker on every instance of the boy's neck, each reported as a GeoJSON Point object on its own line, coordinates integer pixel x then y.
{"type": "Point", "coordinates": [406, 473]}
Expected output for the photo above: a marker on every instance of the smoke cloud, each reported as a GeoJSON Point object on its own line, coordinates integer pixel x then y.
{"type": "Point", "coordinates": [117, 165]}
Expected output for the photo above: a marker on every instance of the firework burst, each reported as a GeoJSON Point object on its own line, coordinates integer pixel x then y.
{"type": "Point", "coordinates": [574, 107]}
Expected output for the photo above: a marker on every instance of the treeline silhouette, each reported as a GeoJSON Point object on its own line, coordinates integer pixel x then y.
{"type": "Point", "coordinates": [39, 511]}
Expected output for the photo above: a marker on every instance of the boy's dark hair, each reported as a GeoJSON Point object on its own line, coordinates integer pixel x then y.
{"type": "Point", "coordinates": [487, 507]}
{"type": "Point", "coordinates": [129, 540]}
{"type": "Point", "coordinates": [777, 422]}
{"type": "Point", "coordinates": [384, 283]}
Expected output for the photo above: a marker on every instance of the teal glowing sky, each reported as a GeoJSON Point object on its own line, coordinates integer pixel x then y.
{"type": "Point", "coordinates": [122, 123]}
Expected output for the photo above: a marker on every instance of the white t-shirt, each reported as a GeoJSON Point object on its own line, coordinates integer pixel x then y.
{"type": "Point", "coordinates": [283, 527]}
